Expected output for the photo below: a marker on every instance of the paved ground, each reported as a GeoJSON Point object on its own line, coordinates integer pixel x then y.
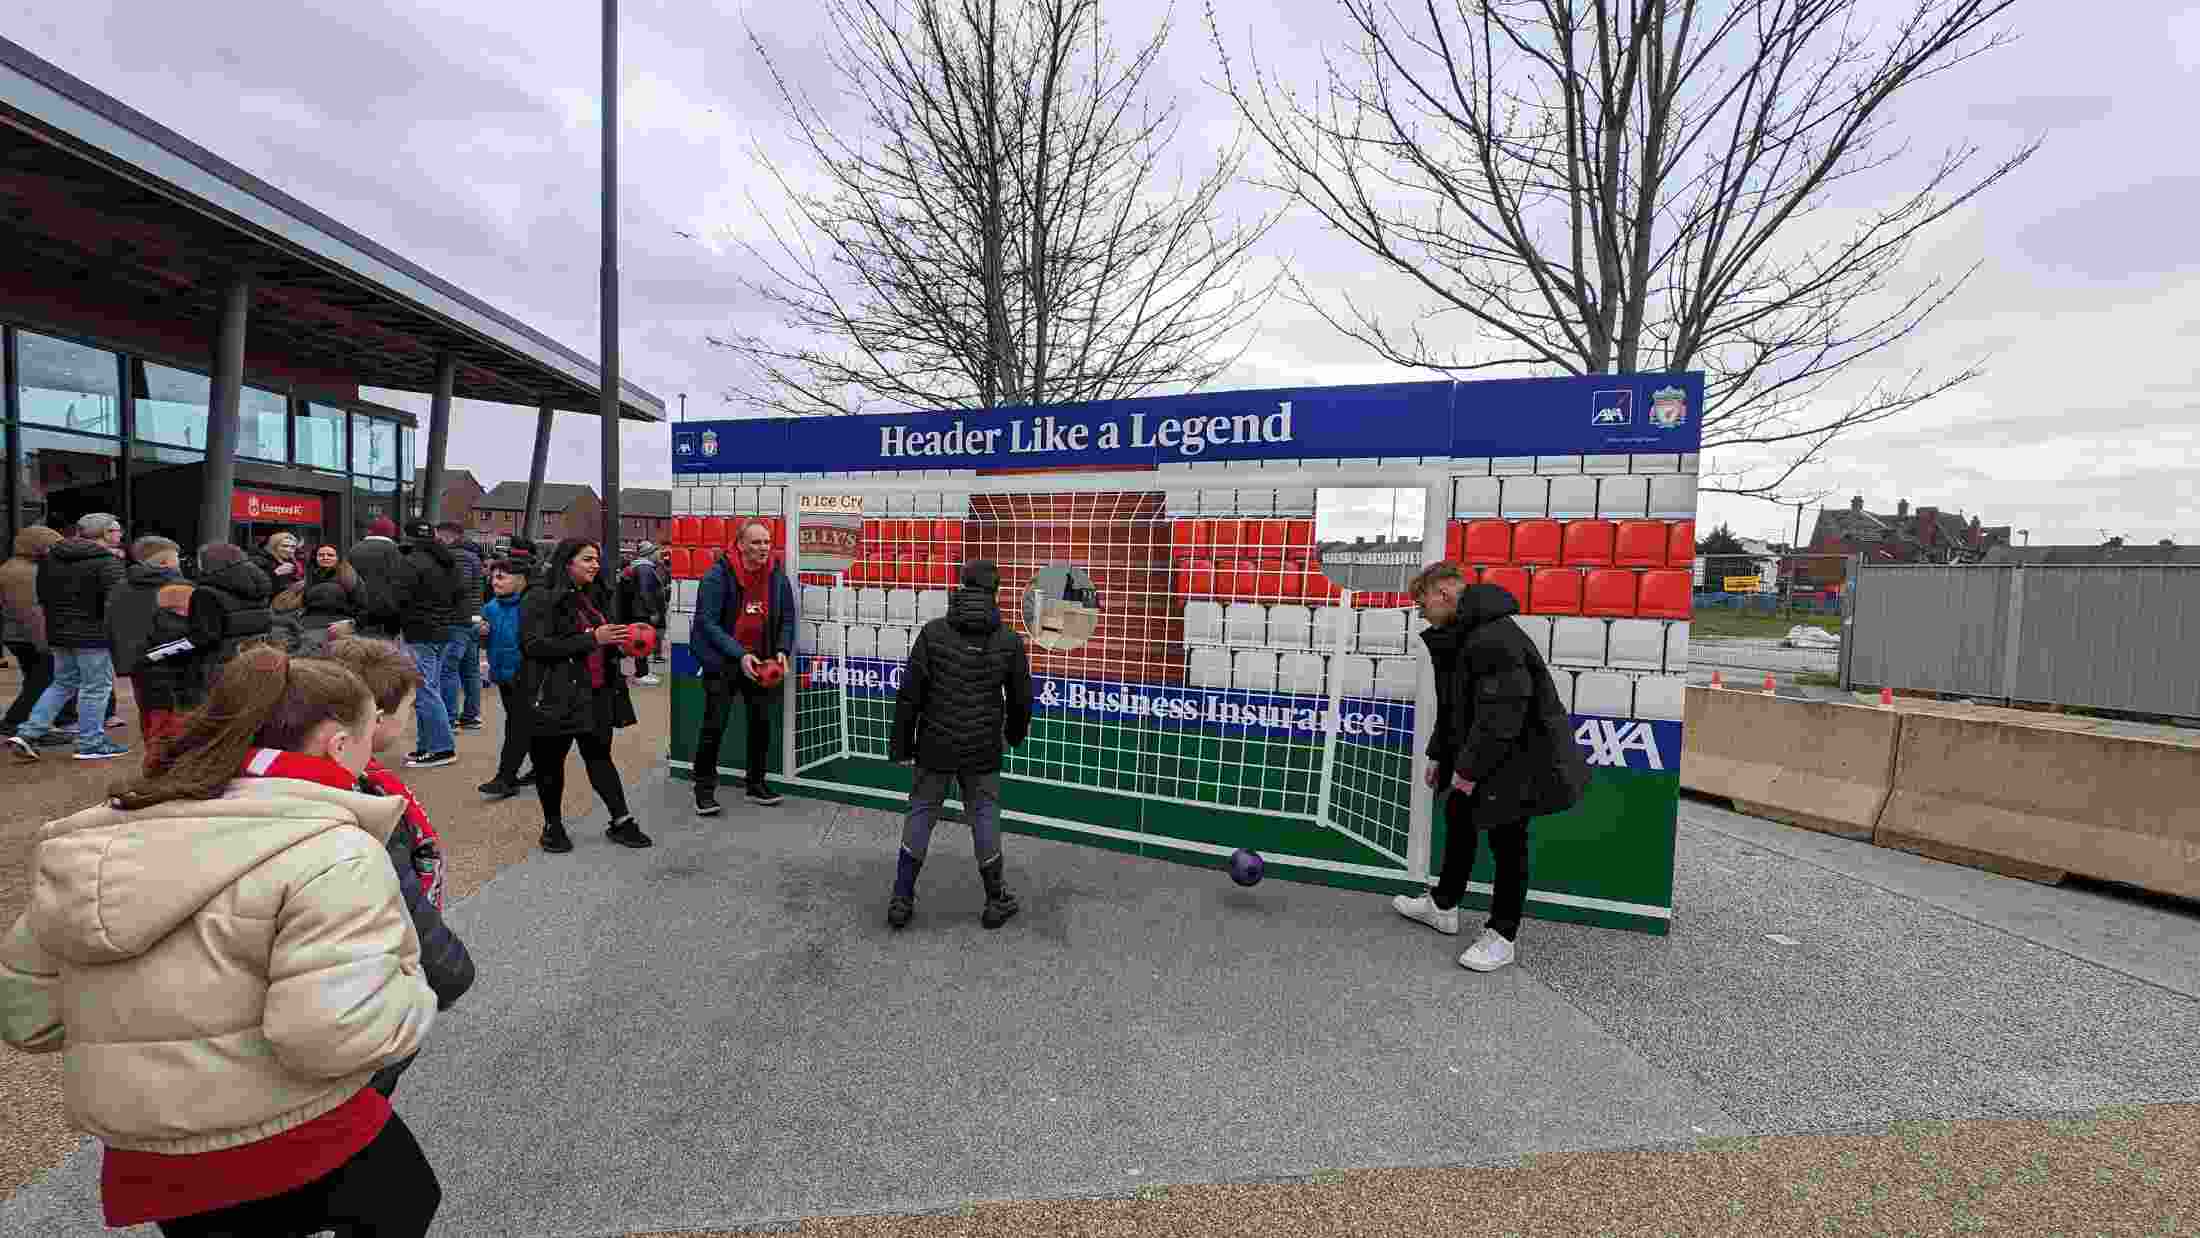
{"type": "Point", "coordinates": [721, 1032]}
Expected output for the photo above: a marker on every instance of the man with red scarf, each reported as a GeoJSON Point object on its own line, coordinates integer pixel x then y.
{"type": "Point", "coordinates": [745, 616]}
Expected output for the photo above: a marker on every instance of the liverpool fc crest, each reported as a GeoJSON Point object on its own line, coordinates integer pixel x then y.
{"type": "Point", "coordinates": [1668, 407]}
{"type": "Point", "coordinates": [710, 444]}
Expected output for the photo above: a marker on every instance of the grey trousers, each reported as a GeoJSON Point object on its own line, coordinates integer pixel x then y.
{"type": "Point", "coordinates": [981, 798]}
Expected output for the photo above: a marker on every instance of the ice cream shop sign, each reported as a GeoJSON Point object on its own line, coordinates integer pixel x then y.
{"type": "Point", "coordinates": [256, 507]}
{"type": "Point", "coordinates": [832, 531]}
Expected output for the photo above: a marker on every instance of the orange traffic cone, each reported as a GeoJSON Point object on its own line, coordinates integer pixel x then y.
{"type": "Point", "coordinates": [1716, 681]}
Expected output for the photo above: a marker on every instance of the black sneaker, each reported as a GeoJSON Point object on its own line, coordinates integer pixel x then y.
{"type": "Point", "coordinates": [628, 833]}
{"type": "Point", "coordinates": [468, 724]}
{"type": "Point", "coordinates": [998, 910]}
{"type": "Point", "coordinates": [706, 801]}
{"type": "Point", "coordinates": [23, 748]}
{"type": "Point", "coordinates": [498, 789]}
{"type": "Point", "coordinates": [429, 760]}
{"type": "Point", "coordinates": [898, 911]}
{"type": "Point", "coordinates": [761, 793]}
{"type": "Point", "coordinates": [555, 840]}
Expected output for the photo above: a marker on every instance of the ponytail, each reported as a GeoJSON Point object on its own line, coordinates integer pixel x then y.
{"type": "Point", "coordinates": [262, 698]}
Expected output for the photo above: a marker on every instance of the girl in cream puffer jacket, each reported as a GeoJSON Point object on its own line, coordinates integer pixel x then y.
{"type": "Point", "coordinates": [225, 960]}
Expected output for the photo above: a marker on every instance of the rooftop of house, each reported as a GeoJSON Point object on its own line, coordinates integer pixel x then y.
{"type": "Point", "coordinates": [511, 496]}
{"type": "Point", "coordinates": [1858, 526]}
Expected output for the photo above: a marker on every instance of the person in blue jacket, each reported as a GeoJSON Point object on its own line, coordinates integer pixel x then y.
{"type": "Point", "coordinates": [498, 624]}
{"type": "Point", "coordinates": [745, 616]}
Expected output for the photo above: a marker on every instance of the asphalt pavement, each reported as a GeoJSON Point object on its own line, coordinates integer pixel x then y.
{"type": "Point", "coordinates": [722, 1031]}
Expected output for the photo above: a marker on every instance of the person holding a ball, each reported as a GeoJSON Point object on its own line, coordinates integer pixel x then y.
{"type": "Point", "coordinates": [745, 615]}
{"type": "Point", "coordinates": [575, 693]}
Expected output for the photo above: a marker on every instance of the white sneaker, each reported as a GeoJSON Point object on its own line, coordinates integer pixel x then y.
{"type": "Point", "coordinates": [1489, 952]}
{"type": "Point", "coordinates": [649, 681]}
{"type": "Point", "coordinates": [1421, 907]}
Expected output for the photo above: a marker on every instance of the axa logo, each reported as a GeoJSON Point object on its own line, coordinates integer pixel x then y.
{"type": "Point", "coordinates": [1609, 742]}
{"type": "Point", "coordinates": [1608, 409]}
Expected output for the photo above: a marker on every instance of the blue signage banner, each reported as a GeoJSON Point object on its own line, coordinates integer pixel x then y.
{"type": "Point", "coordinates": [1607, 743]}
{"type": "Point", "coordinates": [1656, 413]}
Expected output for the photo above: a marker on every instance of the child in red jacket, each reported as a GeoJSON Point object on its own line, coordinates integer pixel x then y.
{"type": "Point", "coordinates": [416, 850]}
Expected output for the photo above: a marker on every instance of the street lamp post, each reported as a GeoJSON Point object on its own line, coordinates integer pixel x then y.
{"type": "Point", "coordinates": [609, 408]}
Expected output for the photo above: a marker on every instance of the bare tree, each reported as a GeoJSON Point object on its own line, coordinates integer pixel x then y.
{"type": "Point", "coordinates": [992, 226]}
{"type": "Point", "coordinates": [1615, 186]}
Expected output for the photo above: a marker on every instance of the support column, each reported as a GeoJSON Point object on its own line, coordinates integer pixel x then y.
{"type": "Point", "coordinates": [533, 510]}
{"type": "Point", "coordinates": [221, 412]}
{"type": "Point", "coordinates": [609, 409]}
{"type": "Point", "coordinates": [439, 439]}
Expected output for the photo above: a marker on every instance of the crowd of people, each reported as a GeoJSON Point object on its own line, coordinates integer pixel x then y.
{"type": "Point", "coordinates": [242, 950]}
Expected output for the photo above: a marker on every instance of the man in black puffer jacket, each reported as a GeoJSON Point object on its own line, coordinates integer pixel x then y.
{"type": "Point", "coordinates": [229, 605]}
{"type": "Point", "coordinates": [965, 698]}
{"type": "Point", "coordinates": [433, 606]}
{"type": "Point", "coordinates": [1502, 752]}
{"type": "Point", "coordinates": [148, 617]}
{"type": "Point", "coordinates": [74, 580]}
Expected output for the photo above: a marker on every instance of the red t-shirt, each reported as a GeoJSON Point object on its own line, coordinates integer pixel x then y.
{"type": "Point", "coordinates": [748, 624]}
{"type": "Point", "coordinates": [139, 1187]}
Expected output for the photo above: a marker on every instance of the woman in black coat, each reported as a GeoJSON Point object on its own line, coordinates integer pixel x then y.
{"type": "Point", "coordinates": [575, 688]}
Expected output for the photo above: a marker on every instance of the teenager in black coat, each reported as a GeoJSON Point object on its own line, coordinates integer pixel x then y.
{"type": "Point", "coordinates": [1502, 752]}
{"type": "Point", "coordinates": [574, 688]}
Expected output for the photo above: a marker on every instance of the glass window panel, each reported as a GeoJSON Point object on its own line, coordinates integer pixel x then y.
{"type": "Point", "coordinates": [171, 404]}
{"type": "Point", "coordinates": [371, 497]}
{"type": "Point", "coordinates": [374, 447]}
{"type": "Point", "coordinates": [405, 452]}
{"type": "Point", "coordinates": [263, 425]}
{"type": "Point", "coordinates": [66, 476]}
{"type": "Point", "coordinates": [321, 437]}
{"type": "Point", "coordinates": [68, 385]}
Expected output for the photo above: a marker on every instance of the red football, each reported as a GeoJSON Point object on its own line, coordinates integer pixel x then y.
{"type": "Point", "coordinates": [770, 673]}
{"type": "Point", "coordinates": [641, 640]}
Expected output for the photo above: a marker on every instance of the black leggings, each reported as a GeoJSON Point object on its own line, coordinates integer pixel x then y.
{"type": "Point", "coordinates": [388, 1190]}
{"type": "Point", "coordinates": [549, 753]}
{"type": "Point", "coordinates": [37, 670]}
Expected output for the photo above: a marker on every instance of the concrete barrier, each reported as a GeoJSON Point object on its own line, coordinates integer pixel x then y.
{"type": "Point", "coordinates": [1820, 765]}
{"type": "Point", "coordinates": [2041, 801]}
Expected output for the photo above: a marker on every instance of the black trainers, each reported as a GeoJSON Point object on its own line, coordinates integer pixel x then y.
{"type": "Point", "coordinates": [706, 801]}
{"type": "Point", "coordinates": [628, 833]}
{"type": "Point", "coordinates": [998, 910]}
{"type": "Point", "coordinates": [468, 724]}
{"type": "Point", "coordinates": [761, 793]}
{"type": "Point", "coordinates": [429, 760]}
{"type": "Point", "coordinates": [498, 789]}
{"type": "Point", "coordinates": [555, 840]}
{"type": "Point", "coordinates": [898, 911]}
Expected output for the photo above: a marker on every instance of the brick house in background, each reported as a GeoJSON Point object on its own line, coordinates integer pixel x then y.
{"type": "Point", "coordinates": [568, 510]}
{"type": "Point", "coordinates": [460, 493]}
{"type": "Point", "coordinates": [1929, 535]}
{"type": "Point", "coordinates": [646, 516]}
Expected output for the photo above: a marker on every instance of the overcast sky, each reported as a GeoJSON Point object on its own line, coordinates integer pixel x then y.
{"type": "Point", "coordinates": [463, 135]}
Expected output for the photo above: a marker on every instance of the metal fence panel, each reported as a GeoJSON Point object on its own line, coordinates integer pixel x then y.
{"type": "Point", "coordinates": [2111, 637]}
{"type": "Point", "coordinates": [1935, 629]}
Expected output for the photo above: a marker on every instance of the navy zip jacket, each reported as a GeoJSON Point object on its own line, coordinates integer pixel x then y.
{"type": "Point", "coordinates": [720, 596]}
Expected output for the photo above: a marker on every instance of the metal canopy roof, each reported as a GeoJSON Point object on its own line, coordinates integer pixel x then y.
{"type": "Point", "coordinates": [96, 193]}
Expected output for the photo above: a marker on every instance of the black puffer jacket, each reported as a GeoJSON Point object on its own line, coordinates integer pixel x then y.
{"type": "Point", "coordinates": [385, 582]}
{"type": "Point", "coordinates": [473, 579]}
{"type": "Point", "coordinates": [74, 580]}
{"type": "Point", "coordinates": [432, 608]}
{"type": "Point", "coordinates": [556, 642]}
{"type": "Point", "coordinates": [228, 608]}
{"type": "Point", "coordinates": [967, 689]}
{"type": "Point", "coordinates": [1499, 720]}
{"type": "Point", "coordinates": [328, 598]}
{"type": "Point", "coordinates": [153, 642]}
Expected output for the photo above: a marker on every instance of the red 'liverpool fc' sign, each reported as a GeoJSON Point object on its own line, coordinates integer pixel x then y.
{"type": "Point", "coordinates": [274, 508]}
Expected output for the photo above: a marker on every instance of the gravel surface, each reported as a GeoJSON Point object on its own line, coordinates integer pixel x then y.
{"type": "Point", "coordinates": [2129, 1171]}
